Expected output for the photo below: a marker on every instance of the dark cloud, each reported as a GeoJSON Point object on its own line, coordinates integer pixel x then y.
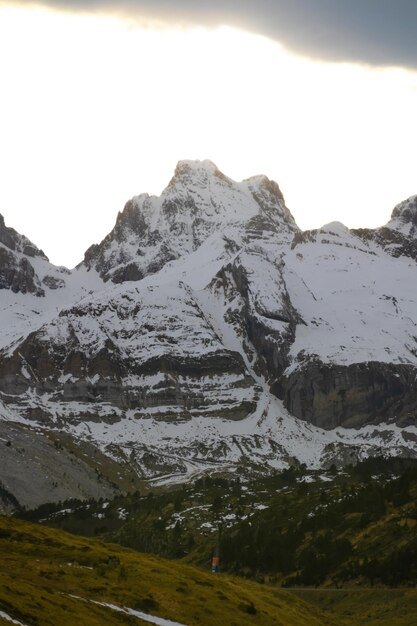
{"type": "Point", "coordinates": [378, 32]}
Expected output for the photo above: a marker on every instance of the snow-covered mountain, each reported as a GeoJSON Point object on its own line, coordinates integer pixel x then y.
{"type": "Point", "coordinates": [206, 331]}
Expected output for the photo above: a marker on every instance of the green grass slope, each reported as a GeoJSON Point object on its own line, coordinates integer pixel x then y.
{"type": "Point", "coordinates": [49, 577]}
{"type": "Point", "coordinates": [370, 607]}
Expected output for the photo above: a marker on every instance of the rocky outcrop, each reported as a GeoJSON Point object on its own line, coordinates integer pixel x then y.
{"type": "Point", "coordinates": [395, 243]}
{"type": "Point", "coordinates": [53, 282]}
{"type": "Point", "coordinates": [18, 243]}
{"type": "Point", "coordinates": [404, 216]}
{"type": "Point", "coordinates": [270, 324]}
{"type": "Point", "coordinates": [399, 236]}
{"type": "Point", "coordinates": [18, 274]}
{"type": "Point", "coordinates": [16, 270]}
{"type": "Point", "coordinates": [330, 396]}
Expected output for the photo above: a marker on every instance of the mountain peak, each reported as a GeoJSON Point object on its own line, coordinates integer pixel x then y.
{"type": "Point", "coordinates": [406, 210]}
{"type": "Point", "coordinates": [186, 165]}
{"type": "Point", "coordinates": [197, 172]}
{"type": "Point", "coordinates": [198, 202]}
{"type": "Point", "coordinates": [404, 216]}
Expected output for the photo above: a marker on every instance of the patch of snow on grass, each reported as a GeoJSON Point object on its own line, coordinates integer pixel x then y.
{"type": "Point", "coordinates": [8, 618]}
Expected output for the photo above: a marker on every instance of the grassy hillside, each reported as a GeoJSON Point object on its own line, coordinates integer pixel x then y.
{"type": "Point", "coordinates": [370, 607]}
{"type": "Point", "coordinates": [48, 577]}
{"type": "Point", "coordinates": [300, 528]}
{"type": "Point", "coordinates": [345, 542]}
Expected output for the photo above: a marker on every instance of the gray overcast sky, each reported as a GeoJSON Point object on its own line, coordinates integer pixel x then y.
{"type": "Point", "coordinates": [376, 32]}
{"type": "Point", "coordinates": [93, 111]}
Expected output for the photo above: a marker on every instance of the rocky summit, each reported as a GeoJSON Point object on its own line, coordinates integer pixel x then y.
{"type": "Point", "coordinates": [206, 332]}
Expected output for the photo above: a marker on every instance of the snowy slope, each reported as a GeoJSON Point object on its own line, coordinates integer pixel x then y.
{"type": "Point", "coordinates": [358, 302]}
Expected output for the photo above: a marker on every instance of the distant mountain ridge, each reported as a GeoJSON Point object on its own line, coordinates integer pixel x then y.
{"type": "Point", "coordinates": [206, 332]}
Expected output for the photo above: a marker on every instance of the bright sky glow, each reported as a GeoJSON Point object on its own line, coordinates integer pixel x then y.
{"type": "Point", "coordinates": [95, 109]}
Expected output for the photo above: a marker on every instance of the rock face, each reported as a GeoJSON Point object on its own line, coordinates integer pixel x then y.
{"type": "Point", "coordinates": [354, 362]}
{"type": "Point", "coordinates": [140, 349]}
{"type": "Point", "coordinates": [399, 236]}
{"type": "Point", "coordinates": [10, 239]}
{"type": "Point", "coordinates": [330, 395]}
{"type": "Point", "coordinates": [18, 274]}
{"type": "Point", "coordinates": [16, 271]}
{"type": "Point", "coordinates": [207, 330]}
